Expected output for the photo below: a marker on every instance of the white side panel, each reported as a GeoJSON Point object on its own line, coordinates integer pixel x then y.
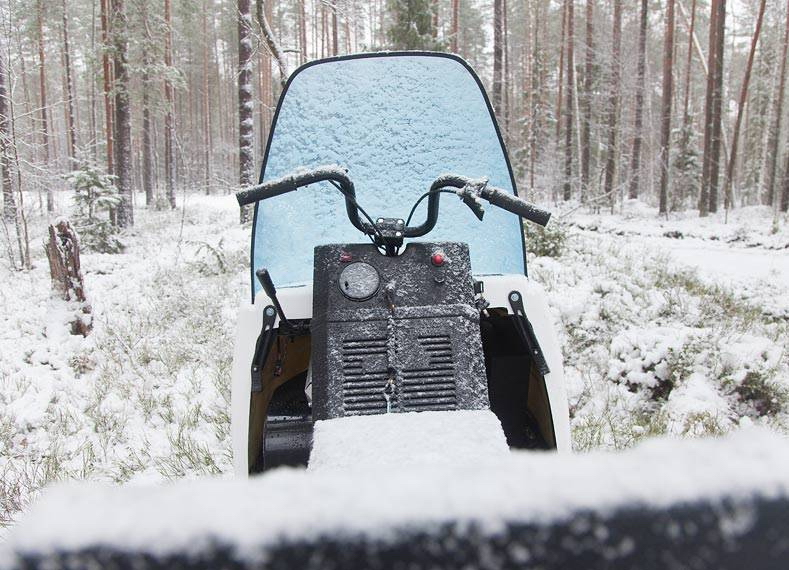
{"type": "Point", "coordinates": [297, 304]}
{"type": "Point", "coordinates": [497, 290]}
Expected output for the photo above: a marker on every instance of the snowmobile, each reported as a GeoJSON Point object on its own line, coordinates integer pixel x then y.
{"type": "Point", "coordinates": [437, 314]}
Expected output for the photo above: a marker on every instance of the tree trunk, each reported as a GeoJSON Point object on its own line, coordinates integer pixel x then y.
{"type": "Point", "coordinates": [302, 31]}
{"type": "Point", "coordinates": [688, 68]}
{"type": "Point", "coordinates": [704, 194]}
{"type": "Point", "coordinates": [665, 120]}
{"type": "Point", "coordinates": [717, 103]}
{"type": "Point", "coordinates": [560, 94]}
{"type": "Point", "coordinates": [784, 205]}
{"type": "Point", "coordinates": [107, 76]}
{"type": "Point", "coordinates": [568, 112]}
{"type": "Point", "coordinates": [147, 152]}
{"type": "Point", "coordinates": [613, 105]}
{"type": "Point", "coordinates": [265, 80]}
{"type": "Point", "coordinates": [122, 115]}
{"type": "Point", "coordinates": [206, 107]}
{"type": "Point", "coordinates": [42, 89]}
{"type": "Point", "coordinates": [9, 203]}
{"type": "Point", "coordinates": [586, 108]}
{"type": "Point", "coordinates": [335, 41]}
{"type": "Point", "coordinates": [453, 39]}
{"type": "Point", "coordinates": [635, 164]}
{"type": "Point", "coordinates": [64, 268]}
{"type": "Point", "coordinates": [69, 95]}
{"type": "Point", "coordinates": [274, 47]}
{"type": "Point", "coordinates": [727, 187]}
{"type": "Point", "coordinates": [772, 152]}
{"type": "Point", "coordinates": [245, 120]}
{"type": "Point", "coordinates": [169, 126]}
{"type": "Point", "coordinates": [498, 55]}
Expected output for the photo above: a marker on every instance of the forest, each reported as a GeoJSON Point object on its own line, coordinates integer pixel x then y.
{"type": "Point", "coordinates": [133, 103]}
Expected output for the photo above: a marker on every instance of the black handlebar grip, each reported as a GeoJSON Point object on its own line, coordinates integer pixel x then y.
{"type": "Point", "coordinates": [266, 190]}
{"type": "Point", "coordinates": [516, 205]}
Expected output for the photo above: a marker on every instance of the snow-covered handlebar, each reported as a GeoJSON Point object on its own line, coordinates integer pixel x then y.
{"type": "Point", "coordinates": [469, 190]}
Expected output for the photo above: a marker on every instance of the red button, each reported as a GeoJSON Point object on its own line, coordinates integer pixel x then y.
{"type": "Point", "coordinates": [438, 259]}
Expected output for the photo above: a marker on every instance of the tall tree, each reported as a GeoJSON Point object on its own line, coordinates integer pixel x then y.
{"type": "Point", "coordinates": [303, 31]}
{"type": "Point", "coordinates": [169, 124]}
{"type": "Point", "coordinates": [123, 149]}
{"type": "Point", "coordinates": [743, 98]}
{"type": "Point", "coordinates": [42, 90]}
{"type": "Point", "coordinates": [335, 39]}
{"type": "Point", "coordinates": [568, 107]}
{"type": "Point", "coordinates": [453, 36]}
{"type": "Point", "coordinates": [668, 93]}
{"type": "Point", "coordinates": [69, 87]}
{"type": "Point", "coordinates": [774, 131]}
{"type": "Point", "coordinates": [245, 121]}
{"type": "Point", "coordinates": [206, 106]}
{"type": "Point", "coordinates": [147, 146]}
{"type": "Point", "coordinates": [107, 85]}
{"type": "Point", "coordinates": [411, 25]}
{"type": "Point", "coordinates": [586, 108]}
{"type": "Point", "coordinates": [613, 104]}
{"type": "Point", "coordinates": [635, 159]}
{"type": "Point", "coordinates": [686, 163]}
{"type": "Point", "coordinates": [784, 205]}
{"type": "Point", "coordinates": [498, 56]}
{"type": "Point", "coordinates": [9, 204]}
{"type": "Point", "coordinates": [715, 86]}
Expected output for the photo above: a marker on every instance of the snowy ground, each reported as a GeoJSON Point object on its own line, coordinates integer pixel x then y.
{"type": "Point", "coordinates": [675, 327]}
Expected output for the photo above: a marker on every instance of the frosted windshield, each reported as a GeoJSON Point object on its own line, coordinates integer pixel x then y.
{"type": "Point", "coordinates": [397, 123]}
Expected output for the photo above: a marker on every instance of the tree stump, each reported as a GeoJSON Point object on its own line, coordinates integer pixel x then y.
{"type": "Point", "coordinates": [64, 268]}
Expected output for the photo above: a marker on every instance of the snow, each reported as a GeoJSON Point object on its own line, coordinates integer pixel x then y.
{"type": "Point", "coordinates": [144, 397]}
{"type": "Point", "coordinates": [293, 504]}
{"type": "Point", "coordinates": [651, 346]}
{"type": "Point", "coordinates": [394, 441]}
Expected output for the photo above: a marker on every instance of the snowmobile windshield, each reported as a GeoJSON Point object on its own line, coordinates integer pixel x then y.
{"type": "Point", "coordinates": [397, 121]}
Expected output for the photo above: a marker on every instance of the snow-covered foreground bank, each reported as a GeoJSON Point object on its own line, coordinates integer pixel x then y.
{"type": "Point", "coordinates": [146, 395]}
{"type": "Point", "coordinates": [651, 345]}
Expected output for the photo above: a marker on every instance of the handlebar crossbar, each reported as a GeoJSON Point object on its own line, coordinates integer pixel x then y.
{"type": "Point", "coordinates": [468, 189]}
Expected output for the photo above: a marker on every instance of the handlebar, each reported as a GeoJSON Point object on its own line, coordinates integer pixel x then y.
{"type": "Point", "coordinates": [496, 196]}
{"type": "Point", "coordinates": [469, 190]}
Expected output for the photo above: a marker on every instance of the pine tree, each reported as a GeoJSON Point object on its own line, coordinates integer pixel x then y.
{"type": "Point", "coordinates": [568, 106]}
{"type": "Point", "coordinates": [95, 194]}
{"type": "Point", "coordinates": [123, 150]}
{"type": "Point", "coordinates": [412, 25]}
{"type": "Point", "coordinates": [635, 159]}
{"type": "Point", "coordinates": [613, 104]}
{"type": "Point", "coordinates": [668, 93]}
{"type": "Point", "coordinates": [245, 105]}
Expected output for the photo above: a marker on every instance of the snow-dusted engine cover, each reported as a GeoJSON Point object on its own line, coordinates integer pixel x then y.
{"type": "Point", "coordinates": [397, 334]}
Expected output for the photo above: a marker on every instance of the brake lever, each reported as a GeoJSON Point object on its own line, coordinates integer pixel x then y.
{"type": "Point", "coordinates": [471, 194]}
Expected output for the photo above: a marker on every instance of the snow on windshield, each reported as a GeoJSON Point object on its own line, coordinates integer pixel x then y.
{"type": "Point", "coordinates": [397, 123]}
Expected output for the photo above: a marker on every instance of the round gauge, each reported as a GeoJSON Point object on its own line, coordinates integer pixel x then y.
{"type": "Point", "coordinates": [359, 281]}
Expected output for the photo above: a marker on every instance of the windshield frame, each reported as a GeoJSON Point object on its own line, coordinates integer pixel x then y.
{"type": "Point", "coordinates": [309, 64]}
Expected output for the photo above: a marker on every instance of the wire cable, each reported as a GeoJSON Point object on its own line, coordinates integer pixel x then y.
{"type": "Point", "coordinates": [422, 197]}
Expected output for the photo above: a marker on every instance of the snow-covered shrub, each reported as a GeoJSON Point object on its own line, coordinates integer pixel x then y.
{"type": "Point", "coordinates": [95, 195]}
{"type": "Point", "coordinates": [546, 242]}
{"type": "Point", "coordinates": [750, 373]}
{"type": "Point", "coordinates": [216, 259]}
